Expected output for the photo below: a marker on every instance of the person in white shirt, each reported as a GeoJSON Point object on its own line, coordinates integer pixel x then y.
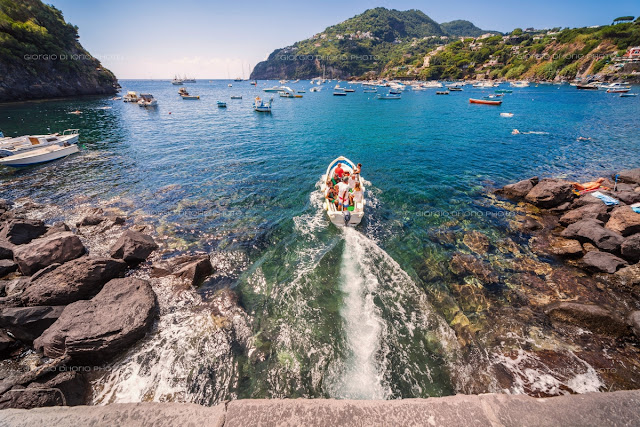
{"type": "Point", "coordinates": [352, 181]}
{"type": "Point", "coordinates": [358, 195]}
{"type": "Point", "coordinates": [343, 194]}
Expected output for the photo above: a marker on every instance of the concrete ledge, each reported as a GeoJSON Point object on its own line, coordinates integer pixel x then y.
{"type": "Point", "coordinates": [594, 409]}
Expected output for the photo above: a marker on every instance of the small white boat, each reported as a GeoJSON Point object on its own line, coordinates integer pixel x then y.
{"type": "Point", "coordinates": [131, 96]}
{"type": "Point", "coordinates": [177, 81]}
{"type": "Point", "coordinates": [40, 155]}
{"type": "Point", "coordinates": [388, 96]}
{"type": "Point", "coordinates": [261, 106]}
{"type": "Point", "coordinates": [273, 89]}
{"type": "Point", "coordinates": [339, 94]}
{"type": "Point", "coordinates": [342, 218]}
{"type": "Point", "coordinates": [147, 100]}
{"type": "Point", "coordinates": [521, 83]}
{"type": "Point", "coordinates": [506, 114]}
{"type": "Point", "coordinates": [22, 144]}
{"type": "Point", "coordinates": [315, 89]}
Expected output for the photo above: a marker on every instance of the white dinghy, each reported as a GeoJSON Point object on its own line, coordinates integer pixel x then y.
{"type": "Point", "coordinates": [354, 214]}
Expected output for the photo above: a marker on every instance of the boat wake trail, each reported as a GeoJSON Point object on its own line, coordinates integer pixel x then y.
{"type": "Point", "coordinates": [395, 345]}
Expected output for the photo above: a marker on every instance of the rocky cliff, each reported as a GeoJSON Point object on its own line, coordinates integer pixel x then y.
{"type": "Point", "coordinates": [41, 57]}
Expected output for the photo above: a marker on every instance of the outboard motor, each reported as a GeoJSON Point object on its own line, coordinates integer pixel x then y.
{"type": "Point", "coordinates": [347, 218]}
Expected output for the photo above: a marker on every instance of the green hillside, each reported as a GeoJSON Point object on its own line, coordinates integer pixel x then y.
{"type": "Point", "coordinates": [461, 28]}
{"type": "Point", "coordinates": [364, 44]}
{"type": "Point", "coordinates": [40, 56]}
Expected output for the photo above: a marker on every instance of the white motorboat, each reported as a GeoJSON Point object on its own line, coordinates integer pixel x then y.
{"type": "Point", "coordinates": [40, 155]}
{"type": "Point", "coordinates": [388, 96]}
{"type": "Point", "coordinates": [432, 85]}
{"type": "Point", "coordinates": [522, 83]}
{"type": "Point", "coordinates": [274, 89]}
{"type": "Point", "coordinates": [13, 146]}
{"type": "Point", "coordinates": [176, 81]}
{"type": "Point", "coordinates": [147, 100]}
{"type": "Point", "coordinates": [131, 96]}
{"type": "Point", "coordinates": [614, 86]}
{"type": "Point", "coordinates": [354, 214]}
{"type": "Point", "coordinates": [261, 106]}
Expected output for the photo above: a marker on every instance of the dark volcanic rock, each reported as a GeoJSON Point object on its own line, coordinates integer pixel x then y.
{"type": "Point", "coordinates": [61, 247]}
{"type": "Point", "coordinates": [90, 220]}
{"type": "Point", "coordinates": [79, 279]}
{"type": "Point", "coordinates": [58, 227]}
{"type": "Point", "coordinates": [6, 249]}
{"type": "Point", "coordinates": [98, 329]}
{"type": "Point", "coordinates": [7, 266]}
{"type": "Point", "coordinates": [520, 189]}
{"type": "Point", "coordinates": [634, 321]}
{"type": "Point", "coordinates": [631, 248]}
{"type": "Point", "coordinates": [28, 323]}
{"type": "Point", "coordinates": [550, 193]}
{"type": "Point", "coordinates": [629, 276]}
{"type": "Point", "coordinates": [628, 197]}
{"type": "Point", "coordinates": [56, 389]}
{"type": "Point", "coordinates": [630, 176]}
{"type": "Point", "coordinates": [603, 262]}
{"type": "Point", "coordinates": [6, 344]}
{"type": "Point", "coordinates": [195, 269]}
{"type": "Point", "coordinates": [593, 231]}
{"type": "Point", "coordinates": [592, 317]}
{"type": "Point", "coordinates": [597, 211]}
{"type": "Point", "coordinates": [624, 220]}
{"type": "Point", "coordinates": [133, 247]}
{"type": "Point", "coordinates": [21, 231]}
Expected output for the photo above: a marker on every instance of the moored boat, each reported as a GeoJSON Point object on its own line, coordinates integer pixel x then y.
{"type": "Point", "coordinates": [442, 92]}
{"type": "Point", "coordinates": [147, 100]}
{"type": "Point", "coordinates": [131, 96]}
{"type": "Point", "coordinates": [338, 93]}
{"type": "Point", "coordinates": [354, 214]}
{"type": "Point", "coordinates": [484, 101]}
{"type": "Point", "coordinates": [21, 144]}
{"type": "Point", "coordinates": [221, 104]}
{"type": "Point", "coordinates": [588, 86]}
{"type": "Point", "coordinates": [236, 96]}
{"type": "Point", "coordinates": [40, 155]}
{"type": "Point", "coordinates": [261, 106]}
{"type": "Point", "coordinates": [628, 95]}
{"type": "Point", "coordinates": [618, 90]}
{"type": "Point", "coordinates": [388, 96]}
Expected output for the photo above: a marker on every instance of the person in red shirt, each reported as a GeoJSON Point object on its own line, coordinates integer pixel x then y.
{"type": "Point", "coordinates": [339, 172]}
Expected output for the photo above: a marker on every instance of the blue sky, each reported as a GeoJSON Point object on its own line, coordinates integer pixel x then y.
{"type": "Point", "coordinates": [214, 39]}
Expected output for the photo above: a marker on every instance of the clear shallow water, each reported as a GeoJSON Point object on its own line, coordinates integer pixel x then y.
{"type": "Point", "coordinates": [339, 314]}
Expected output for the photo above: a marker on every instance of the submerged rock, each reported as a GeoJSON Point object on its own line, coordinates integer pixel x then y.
{"type": "Point", "coordinates": [550, 193]}
{"type": "Point", "coordinates": [519, 190]}
{"type": "Point", "coordinates": [60, 248]}
{"type": "Point", "coordinates": [565, 247]}
{"type": "Point", "coordinates": [194, 269]}
{"type": "Point", "coordinates": [79, 279]}
{"type": "Point", "coordinates": [96, 330]}
{"type": "Point", "coordinates": [476, 241]}
{"type": "Point", "coordinates": [462, 263]}
{"type": "Point", "coordinates": [603, 262]}
{"type": "Point", "coordinates": [28, 323]}
{"type": "Point", "coordinates": [133, 247]}
{"type": "Point", "coordinates": [592, 317]}
{"type": "Point", "coordinates": [21, 231]}
{"type": "Point", "coordinates": [593, 230]}
{"type": "Point", "coordinates": [624, 220]}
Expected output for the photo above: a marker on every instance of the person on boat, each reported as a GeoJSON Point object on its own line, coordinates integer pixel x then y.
{"type": "Point", "coordinates": [358, 195]}
{"type": "Point", "coordinates": [339, 172]}
{"type": "Point", "coordinates": [343, 194]}
{"type": "Point", "coordinates": [356, 173]}
{"type": "Point", "coordinates": [589, 186]}
{"type": "Point", "coordinates": [331, 194]}
{"type": "Point", "coordinates": [352, 181]}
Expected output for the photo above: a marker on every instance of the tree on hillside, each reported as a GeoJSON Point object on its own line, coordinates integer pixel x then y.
{"type": "Point", "coordinates": [517, 32]}
{"type": "Point", "coordinates": [623, 19]}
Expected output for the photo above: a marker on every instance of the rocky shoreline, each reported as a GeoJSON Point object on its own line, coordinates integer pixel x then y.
{"type": "Point", "coordinates": [601, 239]}
{"type": "Point", "coordinates": [68, 309]}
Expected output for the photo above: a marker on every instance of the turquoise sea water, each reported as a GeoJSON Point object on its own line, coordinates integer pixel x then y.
{"type": "Point", "coordinates": [339, 313]}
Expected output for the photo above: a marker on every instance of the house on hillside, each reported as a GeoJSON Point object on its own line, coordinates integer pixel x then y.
{"type": "Point", "coordinates": [633, 54]}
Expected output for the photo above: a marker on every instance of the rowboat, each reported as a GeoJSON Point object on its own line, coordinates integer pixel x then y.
{"type": "Point", "coordinates": [388, 96]}
{"type": "Point", "coordinates": [236, 96]}
{"type": "Point", "coordinates": [506, 114]}
{"type": "Point", "coordinates": [589, 86]}
{"type": "Point", "coordinates": [22, 144]}
{"type": "Point", "coordinates": [628, 95]}
{"type": "Point", "coordinates": [339, 94]}
{"type": "Point", "coordinates": [442, 92]}
{"type": "Point", "coordinates": [349, 90]}
{"type": "Point", "coordinates": [221, 104]}
{"type": "Point", "coordinates": [354, 214]}
{"type": "Point", "coordinates": [40, 155]}
{"type": "Point", "coordinates": [484, 101]}
{"type": "Point", "coordinates": [618, 90]}
{"type": "Point", "coordinates": [455, 89]}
